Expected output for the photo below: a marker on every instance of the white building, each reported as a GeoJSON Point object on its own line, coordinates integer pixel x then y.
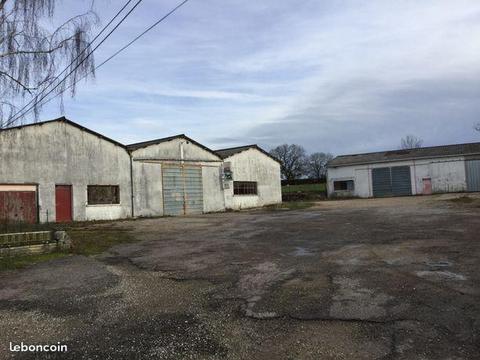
{"type": "Point", "coordinates": [59, 170]}
{"type": "Point", "coordinates": [253, 177]}
{"type": "Point", "coordinates": [421, 171]}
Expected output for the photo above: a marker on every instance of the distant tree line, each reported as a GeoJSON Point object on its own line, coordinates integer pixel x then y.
{"type": "Point", "coordinates": [297, 164]}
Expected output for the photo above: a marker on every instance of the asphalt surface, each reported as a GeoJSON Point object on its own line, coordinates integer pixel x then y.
{"type": "Point", "coordinates": [362, 279]}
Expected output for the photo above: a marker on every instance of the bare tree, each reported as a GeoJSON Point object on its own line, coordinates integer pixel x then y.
{"type": "Point", "coordinates": [32, 56]}
{"type": "Point", "coordinates": [292, 158]}
{"type": "Point", "coordinates": [411, 142]}
{"type": "Point", "coordinates": [317, 165]}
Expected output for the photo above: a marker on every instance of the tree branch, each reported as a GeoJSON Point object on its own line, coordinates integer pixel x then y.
{"type": "Point", "coordinates": [27, 52]}
{"type": "Point", "coordinates": [2, 4]}
{"type": "Point", "coordinates": [26, 88]}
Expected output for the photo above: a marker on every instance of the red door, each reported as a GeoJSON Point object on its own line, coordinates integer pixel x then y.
{"type": "Point", "coordinates": [427, 186]}
{"type": "Point", "coordinates": [63, 203]}
{"type": "Point", "coordinates": [18, 206]}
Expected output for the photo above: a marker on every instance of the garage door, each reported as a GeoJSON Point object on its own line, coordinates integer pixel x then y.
{"type": "Point", "coordinates": [182, 190]}
{"type": "Point", "coordinates": [473, 175]}
{"type": "Point", "coordinates": [391, 181]}
{"type": "Point", "coordinates": [18, 203]}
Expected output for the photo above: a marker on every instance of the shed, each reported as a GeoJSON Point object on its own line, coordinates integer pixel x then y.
{"type": "Point", "coordinates": [58, 170]}
{"type": "Point", "coordinates": [420, 171]}
{"type": "Point", "coordinates": [251, 177]}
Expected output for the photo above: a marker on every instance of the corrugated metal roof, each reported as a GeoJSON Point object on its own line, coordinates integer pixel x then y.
{"type": "Point", "coordinates": [225, 153]}
{"type": "Point", "coordinates": [409, 154]}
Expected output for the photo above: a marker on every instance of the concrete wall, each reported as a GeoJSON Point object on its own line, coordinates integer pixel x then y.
{"type": "Point", "coordinates": [59, 153]}
{"type": "Point", "coordinates": [213, 197]}
{"type": "Point", "coordinates": [63, 154]}
{"type": "Point", "coordinates": [147, 175]}
{"type": "Point", "coordinates": [446, 174]}
{"type": "Point", "coordinates": [148, 192]}
{"type": "Point", "coordinates": [253, 165]}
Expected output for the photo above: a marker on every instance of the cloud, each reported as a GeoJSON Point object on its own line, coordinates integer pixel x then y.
{"type": "Point", "coordinates": [333, 76]}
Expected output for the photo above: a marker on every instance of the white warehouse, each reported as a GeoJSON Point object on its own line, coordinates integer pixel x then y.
{"type": "Point", "coordinates": [254, 174]}
{"type": "Point", "coordinates": [60, 171]}
{"type": "Point", "coordinates": [421, 171]}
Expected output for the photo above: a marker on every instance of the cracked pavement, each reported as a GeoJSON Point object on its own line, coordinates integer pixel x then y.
{"type": "Point", "coordinates": [363, 279]}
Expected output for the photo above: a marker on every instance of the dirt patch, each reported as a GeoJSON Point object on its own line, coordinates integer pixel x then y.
{"type": "Point", "coordinates": [364, 279]}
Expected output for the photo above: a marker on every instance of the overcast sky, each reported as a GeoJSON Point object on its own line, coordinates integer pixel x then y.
{"type": "Point", "coordinates": [337, 76]}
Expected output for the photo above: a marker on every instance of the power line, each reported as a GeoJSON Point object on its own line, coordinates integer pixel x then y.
{"type": "Point", "coordinates": [22, 113]}
{"type": "Point", "coordinates": [117, 52]}
{"type": "Point", "coordinates": [71, 63]}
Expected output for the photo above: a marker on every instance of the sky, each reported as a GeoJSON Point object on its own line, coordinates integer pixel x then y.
{"type": "Point", "coordinates": [333, 76]}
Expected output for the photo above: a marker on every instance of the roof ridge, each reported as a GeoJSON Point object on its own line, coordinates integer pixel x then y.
{"type": "Point", "coordinates": [71, 123]}
{"type": "Point", "coordinates": [240, 149]}
{"type": "Point", "coordinates": [422, 147]}
{"type": "Point", "coordinates": [439, 151]}
{"type": "Point", "coordinates": [237, 147]}
{"type": "Point", "coordinates": [157, 139]}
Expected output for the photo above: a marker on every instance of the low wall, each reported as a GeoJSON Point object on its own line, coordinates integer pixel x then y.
{"type": "Point", "coordinates": [36, 242]}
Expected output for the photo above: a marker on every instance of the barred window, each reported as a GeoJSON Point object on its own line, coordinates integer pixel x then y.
{"type": "Point", "coordinates": [244, 188]}
{"type": "Point", "coordinates": [103, 194]}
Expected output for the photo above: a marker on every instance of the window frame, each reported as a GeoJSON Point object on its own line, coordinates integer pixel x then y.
{"type": "Point", "coordinates": [245, 188]}
{"type": "Point", "coordinates": [347, 188]}
{"type": "Point", "coordinates": [96, 203]}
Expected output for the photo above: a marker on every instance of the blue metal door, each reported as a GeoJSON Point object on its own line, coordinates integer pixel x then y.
{"type": "Point", "coordinates": [182, 190]}
{"type": "Point", "coordinates": [381, 182]}
{"type": "Point", "coordinates": [472, 168]}
{"type": "Point", "coordinates": [401, 181]}
{"type": "Point", "coordinates": [391, 181]}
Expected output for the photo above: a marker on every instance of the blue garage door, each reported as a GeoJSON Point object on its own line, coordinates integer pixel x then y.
{"type": "Point", "coordinates": [473, 175]}
{"type": "Point", "coordinates": [182, 190]}
{"type": "Point", "coordinates": [381, 182]}
{"type": "Point", "coordinates": [391, 181]}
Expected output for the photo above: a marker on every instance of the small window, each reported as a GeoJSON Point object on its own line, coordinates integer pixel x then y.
{"type": "Point", "coordinates": [103, 194]}
{"type": "Point", "coordinates": [244, 188]}
{"type": "Point", "coordinates": [346, 185]}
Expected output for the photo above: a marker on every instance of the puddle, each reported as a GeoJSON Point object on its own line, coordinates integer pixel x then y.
{"type": "Point", "coordinates": [301, 251]}
{"type": "Point", "coordinates": [441, 275]}
{"type": "Point", "coordinates": [439, 264]}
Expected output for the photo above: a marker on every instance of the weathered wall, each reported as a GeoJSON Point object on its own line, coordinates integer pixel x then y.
{"type": "Point", "coordinates": [213, 199]}
{"type": "Point", "coordinates": [447, 175]}
{"type": "Point", "coordinates": [148, 194]}
{"type": "Point", "coordinates": [253, 165]}
{"type": "Point", "coordinates": [147, 174]}
{"type": "Point", "coordinates": [59, 153]}
{"type": "Point", "coordinates": [172, 150]}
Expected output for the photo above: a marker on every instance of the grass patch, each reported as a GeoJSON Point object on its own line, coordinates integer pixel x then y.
{"type": "Point", "coordinates": [462, 200]}
{"type": "Point", "coordinates": [306, 188]}
{"type": "Point", "coordinates": [85, 241]}
{"type": "Point", "coordinates": [291, 205]}
{"type": "Point", "coordinates": [20, 261]}
{"type": "Point", "coordinates": [94, 241]}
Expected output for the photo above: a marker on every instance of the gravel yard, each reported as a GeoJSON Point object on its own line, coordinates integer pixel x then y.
{"type": "Point", "coordinates": [364, 279]}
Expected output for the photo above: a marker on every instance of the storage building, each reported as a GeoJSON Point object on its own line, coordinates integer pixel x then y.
{"type": "Point", "coordinates": [427, 170]}
{"type": "Point", "coordinates": [252, 177]}
{"type": "Point", "coordinates": [58, 170]}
